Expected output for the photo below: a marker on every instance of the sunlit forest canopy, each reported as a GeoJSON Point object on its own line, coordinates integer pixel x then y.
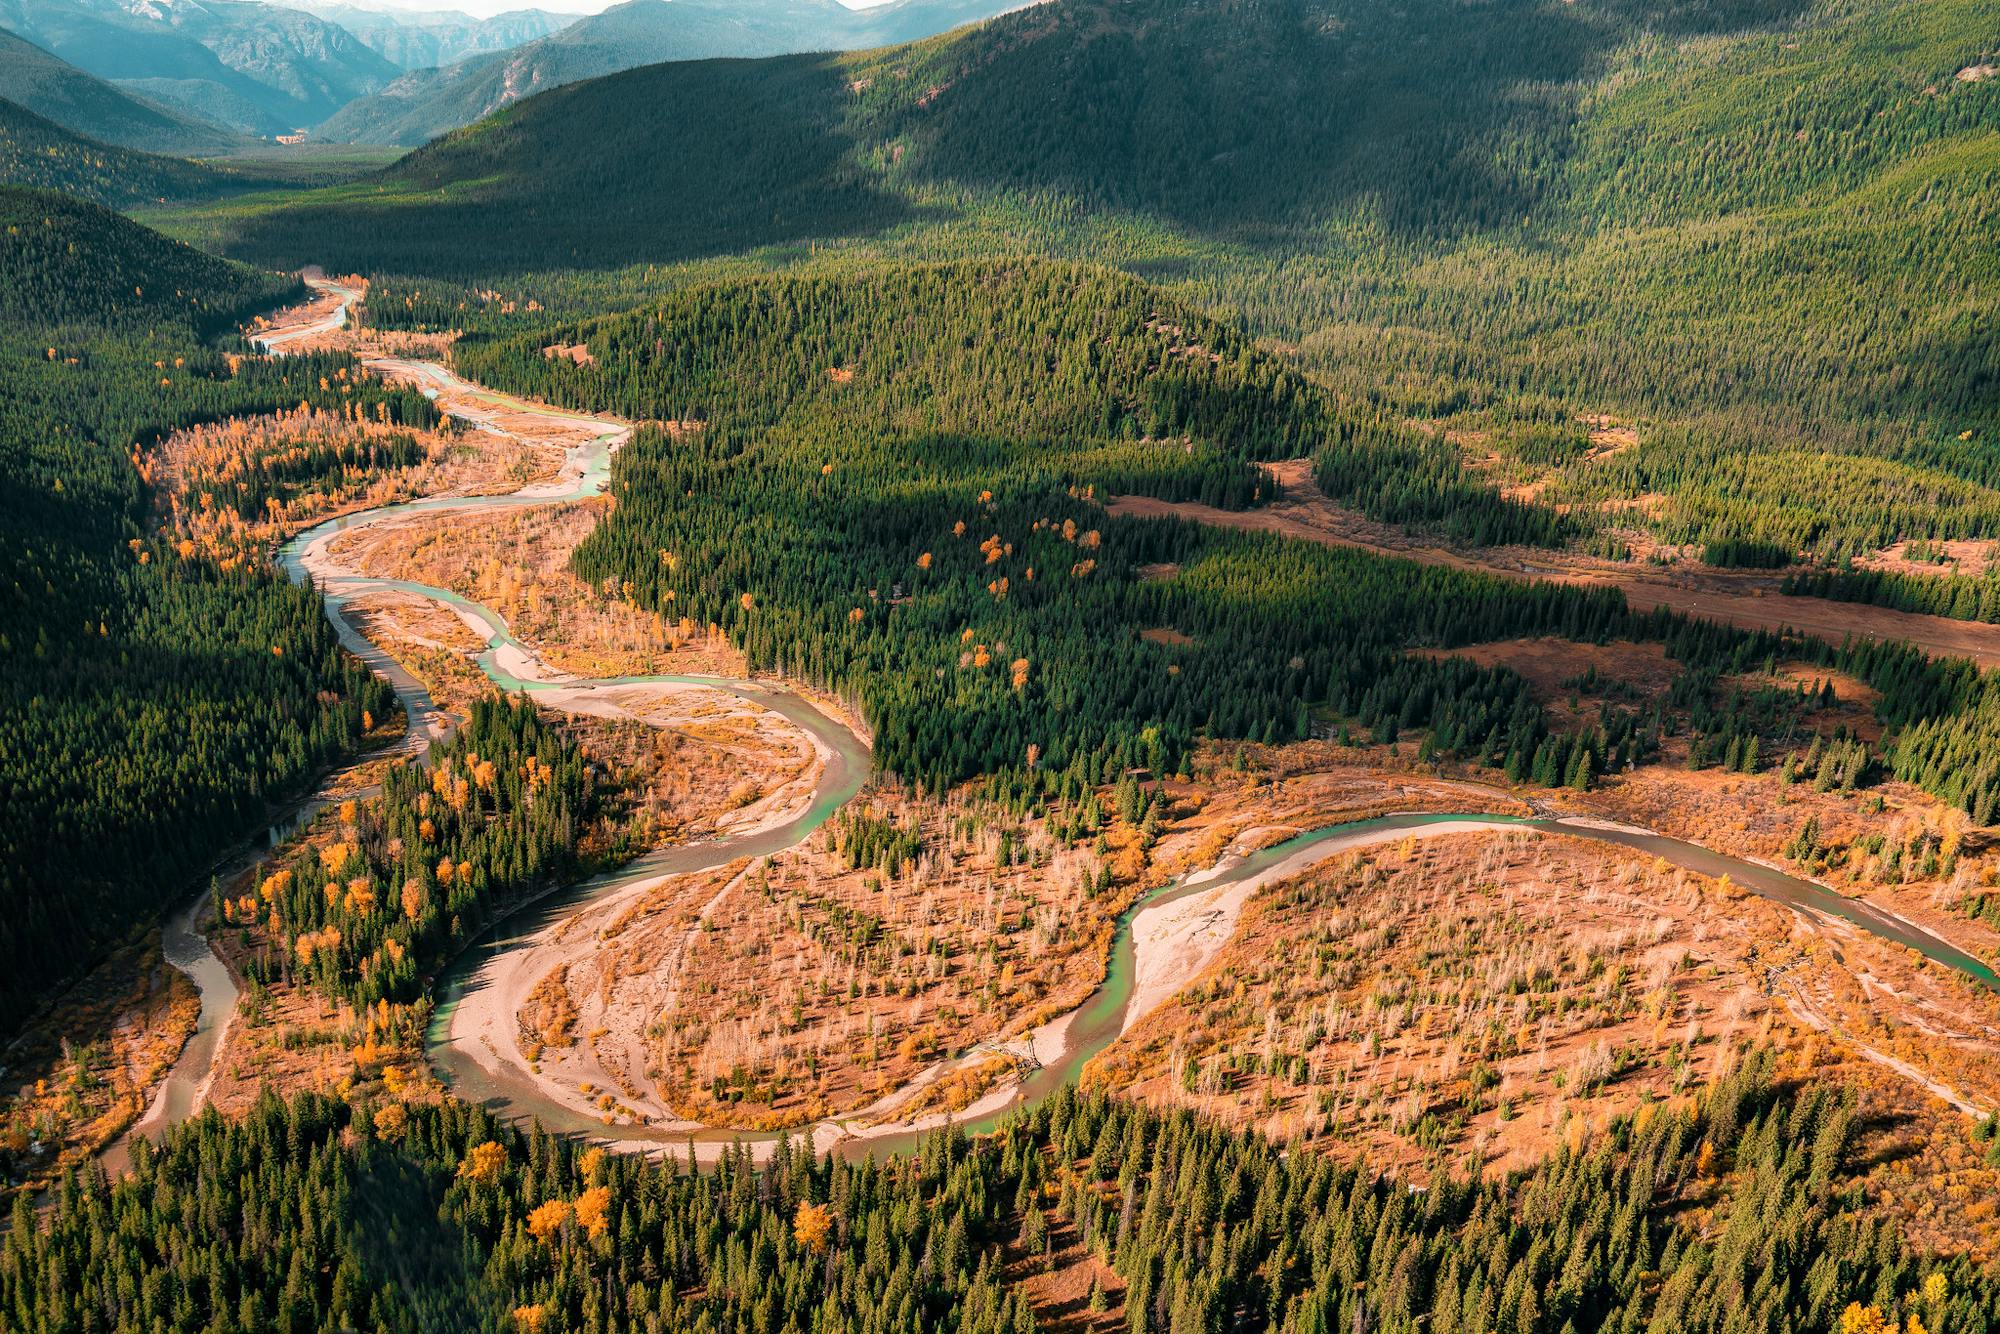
{"type": "Point", "coordinates": [425, 1217]}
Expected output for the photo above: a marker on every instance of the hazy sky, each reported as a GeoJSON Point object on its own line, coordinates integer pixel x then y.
{"type": "Point", "coordinates": [485, 8]}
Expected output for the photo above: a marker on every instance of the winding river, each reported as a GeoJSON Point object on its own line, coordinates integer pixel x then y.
{"type": "Point", "coordinates": [474, 1068]}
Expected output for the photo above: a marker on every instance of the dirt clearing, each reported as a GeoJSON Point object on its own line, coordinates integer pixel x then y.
{"type": "Point", "coordinates": [1747, 600]}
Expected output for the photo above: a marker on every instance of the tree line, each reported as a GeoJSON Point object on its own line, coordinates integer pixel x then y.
{"type": "Point", "coordinates": [316, 1214]}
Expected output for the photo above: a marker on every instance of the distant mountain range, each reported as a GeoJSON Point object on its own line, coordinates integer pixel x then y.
{"type": "Point", "coordinates": [257, 68]}
{"type": "Point", "coordinates": [424, 39]}
{"type": "Point", "coordinates": [58, 91]}
{"type": "Point", "coordinates": [423, 104]}
{"type": "Point", "coordinates": [191, 76]}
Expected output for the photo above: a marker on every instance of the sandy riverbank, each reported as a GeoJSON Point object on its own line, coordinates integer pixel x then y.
{"type": "Point", "coordinates": [1175, 940]}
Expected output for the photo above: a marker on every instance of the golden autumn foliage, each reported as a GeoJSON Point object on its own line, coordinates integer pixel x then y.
{"type": "Point", "coordinates": [547, 1220]}
{"type": "Point", "coordinates": [357, 458]}
{"type": "Point", "coordinates": [311, 943]}
{"type": "Point", "coordinates": [1859, 1319]}
{"type": "Point", "coordinates": [484, 1164]}
{"type": "Point", "coordinates": [593, 1211]}
{"type": "Point", "coordinates": [812, 1226]}
{"type": "Point", "coordinates": [360, 896]}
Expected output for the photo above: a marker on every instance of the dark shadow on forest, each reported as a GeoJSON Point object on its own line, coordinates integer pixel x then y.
{"type": "Point", "coordinates": [1434, 119]}
{"type": "Point", "coordinates": [655, 165]}
{"type": "Point", "coordinates": [1246, 124]}
{"type": "Point", "coordinates": [1896, 1140]}
{"type": "Point", "coordinates": [399, 1227]}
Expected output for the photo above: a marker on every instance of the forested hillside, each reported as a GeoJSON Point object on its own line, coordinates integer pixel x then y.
{"type": "Point", "coordinates": [887, 483]}
{"type": "Point", "coordinates": [894, 328]}
{"type": "Point", "coordinates": [884, 484]}
{"type": "Point", "coordinates": [154, 706]}
{"type": "Point", "coordinates": [1763, 227]}
{"type": "Point", "coordinates": [84, 104]}
{"type": "Point", "coordinates": [39, 154]}
{"type": "Point", "coordinates": [323, 1215]}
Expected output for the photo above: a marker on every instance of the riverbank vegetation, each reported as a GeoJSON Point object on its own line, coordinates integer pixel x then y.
{"type": "Point", "coordinates": [367, 915]}
{"type": "Point", "coordinates": [515, 562]}
{"type": "Point", "coordinates": [235, 489]}
{"type": "Point", "coordinates": [81, 1078]}
{"type": "Point", "coordinates": [156, 705]}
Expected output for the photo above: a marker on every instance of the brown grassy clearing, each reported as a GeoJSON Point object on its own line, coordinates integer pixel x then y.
{"type": "Point", "coordinates": [80, 1074]}
{"type": "Point", "coordinates": [198, 472]}
{"type": "Point", "coordinates": [1968, 557]}
{"type": "Point", "coordinates": [1740, 598]}
{"type": "Point", "coordinates": [515, 562]}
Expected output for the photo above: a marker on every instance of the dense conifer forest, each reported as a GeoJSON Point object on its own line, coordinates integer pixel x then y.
{"type": "Point", "coordinates": [884, 484]}
{"type": "Point", "coordinates": [1962, 598]}
{"type": "Point", "coordinates": [154, 706]}
{"type": "Point", "coordinates": [316, 1215]}
{"type": "Point", "coordinates": [39, 153]}
{"type": "Point", "coordinates": [888, 483]}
